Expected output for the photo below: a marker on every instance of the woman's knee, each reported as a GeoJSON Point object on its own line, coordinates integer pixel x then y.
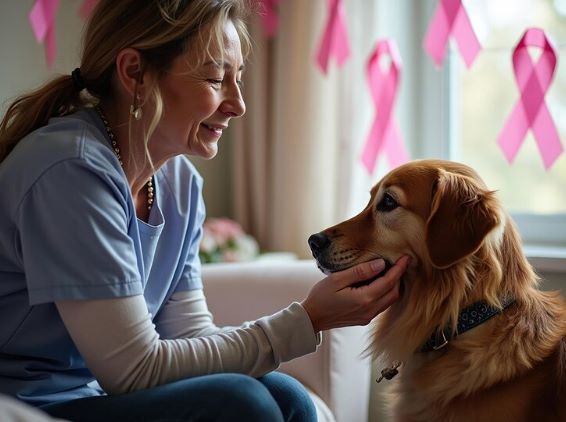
{"type": "Point", "coordinates": [291, 396]}
{"type": "Point", "coordinates": [245, 398]}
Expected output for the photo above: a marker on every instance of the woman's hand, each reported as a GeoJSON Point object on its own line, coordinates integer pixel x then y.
{"type": "Point", "coordinates": [333, 303]}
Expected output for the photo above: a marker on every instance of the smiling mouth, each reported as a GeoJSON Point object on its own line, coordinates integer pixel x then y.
{"type": "Point", "coordinates": [214, 129]}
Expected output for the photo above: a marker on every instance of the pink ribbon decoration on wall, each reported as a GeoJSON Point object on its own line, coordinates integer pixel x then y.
{"type": "Point", "coordinates": [451, 19]}
{"type": "Point", "coordinates": [86, 8]}
{"type": "Point", "coordinates": [531, 111]}
{"type": "Point", "coordinates": [269, 18]}
{"type": "Point", "coordinates": [334, 40]}
{"type": "Point", "coordinates": [42, 20]}
{"type": "Point", "coordinates": [384, 84]}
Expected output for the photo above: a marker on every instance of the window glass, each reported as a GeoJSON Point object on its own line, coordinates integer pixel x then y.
{"type": "Point", "coordinates": [487, 93]}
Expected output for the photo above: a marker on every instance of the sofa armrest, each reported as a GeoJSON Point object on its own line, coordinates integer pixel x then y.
{"type": "Point", "coordinates": [337, 372]}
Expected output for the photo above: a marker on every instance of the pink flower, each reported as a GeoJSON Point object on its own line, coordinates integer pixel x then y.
{"type": "Point", "coordinates": [223, 229]}
{"type": "Point", "coordinates": [224, 240]}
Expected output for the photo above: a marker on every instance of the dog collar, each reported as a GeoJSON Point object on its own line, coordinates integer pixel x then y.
{"type": "Point", "coordinates": [469, 317]}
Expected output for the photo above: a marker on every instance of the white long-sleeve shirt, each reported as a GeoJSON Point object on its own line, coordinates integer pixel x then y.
{"type": "Point", "coordinates": [125, 352]}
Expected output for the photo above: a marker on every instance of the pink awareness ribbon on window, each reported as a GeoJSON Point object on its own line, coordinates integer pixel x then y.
{"type": "Point", "coordinates": [531, 111]}
{"type": "Point", "coordinates": [42, 20]}
{"type": "Point", "coordinates": [269, 18]}
{"type": "Point", "coordinates": [384, 133]}
{"type": "Point", "coordinates": [86, 8]}
{"type": "Point", "coordinates": [451, 19]}
{"type": "Point", "coordinates": [334, 41]}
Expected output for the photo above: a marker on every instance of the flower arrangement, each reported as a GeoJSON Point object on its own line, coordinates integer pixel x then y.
{"type": "Point", "coordinates": [224, 240]}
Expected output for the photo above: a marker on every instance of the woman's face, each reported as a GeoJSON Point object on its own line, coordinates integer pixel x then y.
{"type": "Point", "coordinates": [199, 102]}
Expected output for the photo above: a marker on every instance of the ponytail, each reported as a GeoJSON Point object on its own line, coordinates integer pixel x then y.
{"type": "Point", "coordinates": [31, 111]}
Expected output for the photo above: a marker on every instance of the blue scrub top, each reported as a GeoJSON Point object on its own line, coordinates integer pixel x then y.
{"type": "Point", "coordinates": [68, 230]}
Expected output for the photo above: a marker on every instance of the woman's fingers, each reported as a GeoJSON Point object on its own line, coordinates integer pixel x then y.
{"type": "Point", "coordinates": [385, 301]}
{"type": "Point", "coordinates": [331, 303]}
{"type": "Point", "coordinates": [360, 272]}
{"type": "Point", "coordinates": [390, 280]}
{"type": "Point", "coordinates": [381, 293]}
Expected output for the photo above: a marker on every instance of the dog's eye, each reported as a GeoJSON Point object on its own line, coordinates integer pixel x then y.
{"type": "Point", "coordinates": [387, 203]}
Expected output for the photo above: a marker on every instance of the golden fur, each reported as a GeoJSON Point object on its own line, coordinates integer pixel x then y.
{"type": "Point", "coordinates": [464, 249]}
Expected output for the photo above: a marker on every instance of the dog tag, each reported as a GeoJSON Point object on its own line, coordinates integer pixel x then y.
{"type": "Point", "coordinates": [389, 373]}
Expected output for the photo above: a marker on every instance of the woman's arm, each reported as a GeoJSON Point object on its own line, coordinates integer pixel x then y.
{"type": "Point", "coordinates": [186, 315]}
{"type": "Point", "coordinates": [125, 353]}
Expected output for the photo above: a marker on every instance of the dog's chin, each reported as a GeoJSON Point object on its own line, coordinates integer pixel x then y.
{"type": "Point", "coordinates": [328, 268]}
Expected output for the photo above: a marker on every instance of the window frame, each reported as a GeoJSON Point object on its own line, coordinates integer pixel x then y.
{"type": "Point", "coordinates": [544, 236]}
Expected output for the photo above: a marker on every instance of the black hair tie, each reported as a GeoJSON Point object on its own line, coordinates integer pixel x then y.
{"type": "Point", "coordinates": [78, 82]}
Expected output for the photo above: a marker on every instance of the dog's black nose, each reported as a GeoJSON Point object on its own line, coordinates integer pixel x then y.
{"type": "Point", "coordinates": [318, 243]}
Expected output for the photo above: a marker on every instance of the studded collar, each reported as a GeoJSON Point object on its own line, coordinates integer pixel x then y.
{"type": "Point", "coordinates": [470, 317]}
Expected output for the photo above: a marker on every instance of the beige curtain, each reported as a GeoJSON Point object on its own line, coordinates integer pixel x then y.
{"type": "Point", "coordinates": [296, 167]}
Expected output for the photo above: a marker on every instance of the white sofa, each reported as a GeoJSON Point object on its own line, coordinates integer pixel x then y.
{"type": "Point", "coordinates": [337, 376]}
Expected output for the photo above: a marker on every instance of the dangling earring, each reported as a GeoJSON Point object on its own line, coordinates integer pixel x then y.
{"type": "Point", "coordinates": [135, 109]}
{"type": "Point", "coordinates": [136, 112]}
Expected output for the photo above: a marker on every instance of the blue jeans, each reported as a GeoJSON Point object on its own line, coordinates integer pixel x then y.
{"type": "Point", "coordinates": [274, 397]}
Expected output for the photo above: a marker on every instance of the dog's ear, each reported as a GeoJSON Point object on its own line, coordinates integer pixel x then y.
{"type": "Point", "coordinates": [462, 214]}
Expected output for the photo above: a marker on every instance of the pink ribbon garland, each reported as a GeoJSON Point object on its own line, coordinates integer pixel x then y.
{"type": "Point", "coordinates": [269, 18]}
{"type": "Point", "coordinates": [451, 19]}
{"type": "Point", "coordinates": [334, 41]}
{"type": "Point", "coordinates": [86, 8]}
{"type": "Point", "coordinates": [531, 111]}
{"type": "Point", "coordinates": [42, 20]}
{"type": "Point", "coordinates": [384, 134]}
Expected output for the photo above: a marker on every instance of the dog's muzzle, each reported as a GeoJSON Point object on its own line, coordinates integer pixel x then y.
{"type": "Point", "coordinates": [329, 260]}
{"type": "Point", "coordinates": [318, 243]}
{"type": "Point", "coordinates": [320, 246]}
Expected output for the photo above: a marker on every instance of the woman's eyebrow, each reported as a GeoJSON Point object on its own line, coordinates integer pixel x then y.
{"type": "Point", "coordinates": [220, 64]}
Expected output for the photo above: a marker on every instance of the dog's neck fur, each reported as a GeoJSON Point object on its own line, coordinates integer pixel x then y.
{"type": "Point", "coordinates": [497, 270]}
{"type": "Point", "coordinates": [434, 297]}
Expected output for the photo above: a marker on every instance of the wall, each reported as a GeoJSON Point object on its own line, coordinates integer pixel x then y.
{"type": "Point", "coordinates": [24, 68]}
{"type": "Point", "coordinates": [23, 59]}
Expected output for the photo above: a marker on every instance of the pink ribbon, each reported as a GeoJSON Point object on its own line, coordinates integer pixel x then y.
{"type": "Point", "coordinates": [451, 19]}
{"type": "Point", "coordinates": [86, 8]}
{"type": "Point", "coordinates": [533, 80]}
{"type": "Point", "coordinates": [334, 41]}
{"type": "Point", "coordinates": [42, 20]}
{"type": "Point", "coordinates": [384, 134]}
{"type": "Point", "coordinates": [269, 19]}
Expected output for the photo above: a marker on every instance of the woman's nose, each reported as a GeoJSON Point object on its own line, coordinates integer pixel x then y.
{"type": "Point", "coordinates": [234, 104]}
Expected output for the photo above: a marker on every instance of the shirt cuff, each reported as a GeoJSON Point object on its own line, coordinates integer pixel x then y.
{"type": "Point", "coordinates": [290, 333]}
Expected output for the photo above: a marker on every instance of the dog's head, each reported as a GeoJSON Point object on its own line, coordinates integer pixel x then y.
{"type": "Point", "coordinates": [442, 215]}
{"type": "Point", "coordinates": [437, 212]}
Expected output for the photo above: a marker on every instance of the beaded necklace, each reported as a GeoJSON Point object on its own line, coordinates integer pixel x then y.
{"type": "Point", "coordinates": [116, 150]}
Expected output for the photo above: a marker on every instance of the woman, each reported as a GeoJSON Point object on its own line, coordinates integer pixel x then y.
{"type": "Point", "coordinates": [99, 233]}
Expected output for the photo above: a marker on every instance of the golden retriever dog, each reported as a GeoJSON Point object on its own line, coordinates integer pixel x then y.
{"type": "Point", "coordinates": [475, 338]}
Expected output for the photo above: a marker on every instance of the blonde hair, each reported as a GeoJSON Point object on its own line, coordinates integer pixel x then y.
{"type": "Point", "coordinates": [160, 30]}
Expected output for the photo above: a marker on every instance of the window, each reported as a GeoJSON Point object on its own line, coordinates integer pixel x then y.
{"type": "Point", "coordinates": [478, 101]}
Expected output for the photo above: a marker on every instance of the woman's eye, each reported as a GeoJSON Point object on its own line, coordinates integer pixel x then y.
{"type": "Point", "coordinates": [387, 203]}
{"type": "Point", "coordinates": [215, 81]}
